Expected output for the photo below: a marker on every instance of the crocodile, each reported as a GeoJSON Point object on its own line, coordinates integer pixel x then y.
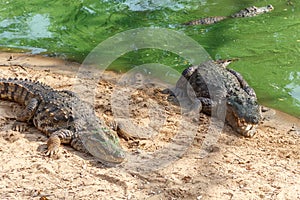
{"type": "Point", "coordinates": [63, 117]}
{"type": "Point", "coordinates": [247, 12]}
{"type": "Point", "coordinates": [243, 113]}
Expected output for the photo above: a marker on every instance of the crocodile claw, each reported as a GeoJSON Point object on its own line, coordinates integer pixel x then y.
{"type": "Point", "coordinates": [19, 126]}
{"type": "Point", "coordinates": [53, 144]}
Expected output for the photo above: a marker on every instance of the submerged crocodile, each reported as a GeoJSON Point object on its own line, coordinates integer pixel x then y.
{"type": "Point", "coordinates": [247, 12]}
{"type": "Point", "coordinates": [63, 117]}
{"type": "Point", "coordinates": [197, 84]}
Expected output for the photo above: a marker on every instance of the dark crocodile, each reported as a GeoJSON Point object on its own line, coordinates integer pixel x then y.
{"type": "Point", "coordinates": [243, 113]}
{"type": "Point", "coordinates": [247, 12]}
{"type": "Point", "coordinates": [64, 118]}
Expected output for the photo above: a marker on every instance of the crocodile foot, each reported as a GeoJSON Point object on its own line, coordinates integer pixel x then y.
{"type": "Point", "coordinates": [53, 144]}
{"type": "Point", "coordinates": [19, 126]}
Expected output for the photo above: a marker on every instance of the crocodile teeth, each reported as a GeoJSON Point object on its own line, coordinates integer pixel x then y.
{"type": "Point", "coordinates": [249, 126]}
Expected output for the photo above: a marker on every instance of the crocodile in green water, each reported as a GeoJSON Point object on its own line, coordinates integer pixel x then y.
{"type": "Point", "coordinates": [247, 12]}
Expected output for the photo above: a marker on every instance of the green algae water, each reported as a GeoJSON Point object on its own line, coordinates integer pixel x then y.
{"type": "Point", "coordinates": [267, 46]}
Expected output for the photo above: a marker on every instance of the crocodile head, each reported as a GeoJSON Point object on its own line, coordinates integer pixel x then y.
{"type": "Point", "coordinates": [104, 146]}
{"type": "Point", "coordinates": [243, 114]}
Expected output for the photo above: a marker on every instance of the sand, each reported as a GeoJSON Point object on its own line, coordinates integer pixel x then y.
{"type": "Point", "coordinates": [266, 166]}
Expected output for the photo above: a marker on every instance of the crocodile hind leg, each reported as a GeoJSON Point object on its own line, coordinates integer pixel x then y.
{"type": "Point", "coordinates": [188, 100]}
{"type": "Point", "coordinates": [25, 116]}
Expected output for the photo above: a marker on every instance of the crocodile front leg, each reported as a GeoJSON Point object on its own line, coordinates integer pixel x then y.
{"type": "Point", "coordinates": [56, 138]}
{"type": "Point", "coordinates": [207, 104]}
{"type": "Point", "coordinates": [53, 144]}
{"type": "Point", "coordinates": [63, 136]}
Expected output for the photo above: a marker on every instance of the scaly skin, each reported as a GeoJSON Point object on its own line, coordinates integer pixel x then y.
{"type": "Point", "coordinates": [253, 11]}
{"type": "Point", "coordinates": [64, 118]}
{"type": "Point", "coordinates": [247, 12]}
{"type": "Point", "coordinates": [243, 113]}
{"type": "Point", "coordinates": [206, 20]}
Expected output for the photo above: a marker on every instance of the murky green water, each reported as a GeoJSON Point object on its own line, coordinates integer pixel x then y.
{"type": "Point", "coordinates": [267, 46]}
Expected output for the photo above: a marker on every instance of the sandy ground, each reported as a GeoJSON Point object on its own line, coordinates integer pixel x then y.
{"type": "Point", "coordinates": [264, 167]}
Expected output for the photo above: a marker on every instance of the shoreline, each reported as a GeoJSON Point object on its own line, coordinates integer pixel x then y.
{"type": "Point", "coordinates": [61, 66]}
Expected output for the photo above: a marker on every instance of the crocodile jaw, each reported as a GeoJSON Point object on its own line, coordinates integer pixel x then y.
{"type": "Point", "coordinates": [240, 125]}
{"type": "Point", "coordinates": [247, 130]}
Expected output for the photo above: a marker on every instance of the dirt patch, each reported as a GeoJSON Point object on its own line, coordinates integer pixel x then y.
{"type": "Point", "coordinates": [264, 167]}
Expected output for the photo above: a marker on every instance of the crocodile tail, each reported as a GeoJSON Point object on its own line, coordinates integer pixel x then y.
{"type": "Point", "coordinates": [12, 89]}
{"type": "Point", "coordinates": [206, 20]}
{"type": "Point", "coordinates": [21, 90]}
